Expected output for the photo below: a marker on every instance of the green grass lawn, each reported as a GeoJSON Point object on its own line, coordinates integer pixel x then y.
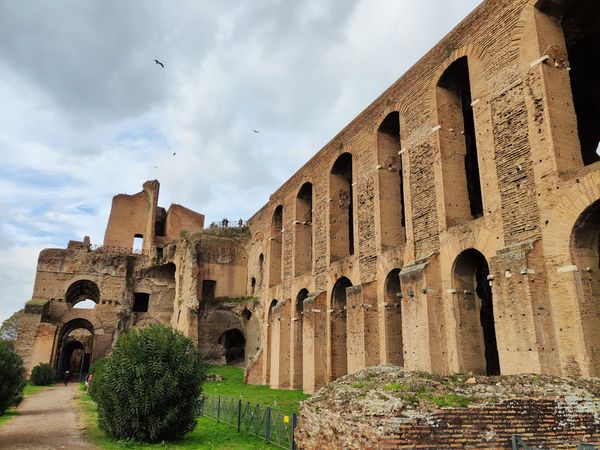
{"type": "Point", "coordinates": [233, 386]}
{"type": "Point", "coordinates": [12, 412]}
{"type": "Point", "coordinates": [208, 434]}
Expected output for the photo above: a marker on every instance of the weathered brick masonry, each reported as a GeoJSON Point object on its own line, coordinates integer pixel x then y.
{"type": "Point", "coordinates": [454, 223]}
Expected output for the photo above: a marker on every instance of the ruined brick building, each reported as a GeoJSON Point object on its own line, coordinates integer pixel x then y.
{"type": "Point", "coordinates": [452, 226]}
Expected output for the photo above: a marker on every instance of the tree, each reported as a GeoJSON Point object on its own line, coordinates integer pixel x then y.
{"type": "Point", "coordinates": [149, 389]}
{"type": "Point", "coordinates": [11, 377]}
{"type": "Point", "coordinates": [10, 327]}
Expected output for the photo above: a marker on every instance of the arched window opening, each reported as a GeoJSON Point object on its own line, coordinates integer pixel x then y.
{"type": "Point", "coordinates": [341, 210]}
{"type": "Point", "coordinates": [339, 352]}
{"type": "Point", "coordinates": [269, 339]}
{"type": "Point", "coordinates": [391, 191]}
{"type": "Point", "coordinates": [585, 253]}
{"type": "Point", "coordinates": [138, 243]}
{"type": "Point", "coordinates": [234, 343]}
{"type": "Point", "coordinates": [581, 28]}
{"type": "Point", "coordinates": [276, 246]}
{"type": "Point", "coordinates": [303, 227]}
{"type": "Point", "coordinates": [458, 145]}
{"type": "Point", "coordinates": [298, 339]}
{"type": "Point", "coordinates": [82, 291]}
{"type": "Point", "coordinates": [394, 318]}
{"type": "Point", "coordinates": [141, 301]}
{"type": "Point", "coordinates": [302, 295]}
{"type": "Point", "coordinates": [261, 268]}
{"type": "Point", "coordinates": [477, 347]}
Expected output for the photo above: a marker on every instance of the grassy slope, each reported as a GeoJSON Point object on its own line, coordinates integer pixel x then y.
{"type": "Point", "coordinates": [12, 412]}
{"type": "Point", "coordinates": [208, 434]}
{"type": "Point", "coordinates": [233, 386]}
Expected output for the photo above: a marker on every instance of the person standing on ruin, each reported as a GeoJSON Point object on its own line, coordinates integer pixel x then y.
{"type": "Point", "coordinates": [67, 377]}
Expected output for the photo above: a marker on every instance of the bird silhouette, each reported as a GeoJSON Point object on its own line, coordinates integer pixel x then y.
{"type": "Point", "coordinates": [174, 153]}
{"type": "Point", "coordinates": [158, 62]}
{"type": "Point", "coordinates": [256, 131]}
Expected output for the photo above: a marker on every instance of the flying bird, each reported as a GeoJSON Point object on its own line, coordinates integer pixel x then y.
{"type": "Point", "coordinates": [174, 153]}
{"type": "Point", "coordinates": [158, 62]}
{"type": "Point", "coordinates": [256, 131]}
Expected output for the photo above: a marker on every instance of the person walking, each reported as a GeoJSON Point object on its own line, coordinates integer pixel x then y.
{"type": "Point", "coordinates": [67, 377]}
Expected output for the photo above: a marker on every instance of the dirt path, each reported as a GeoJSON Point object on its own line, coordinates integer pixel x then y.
{"type": "Point", "coordinates": [47, 420]}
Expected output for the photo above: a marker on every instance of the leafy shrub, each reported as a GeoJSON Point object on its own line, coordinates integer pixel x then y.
{"type": "Point", "coordinates": [11, 377]}
{"type": "Point", "coordinates": [42, 375]}
{"type": "Point", "coordinates": [95, 370]}
{"type": "Point", "coordinates": [149, 389]}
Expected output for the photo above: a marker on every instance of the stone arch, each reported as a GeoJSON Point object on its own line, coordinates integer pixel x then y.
{"type": "Point", "coordinates": [298, 338]}
{"type": "Point", "coordinates": [393, 318]}
{"type": "Point", "coordinates": [585, 253]}
{"type": "Point", "coordinates": [67, 345]}
{"type": "Point", "coordinates": [341, 208]}
{"type": "Point", "coordinates": [303, 230]}
{"type": "Point", "coordinates": [477, 348]}
{"type": "Point", "coordinates": [269, 343]}
{"type": "Point", "coordinates": [339, 351]}
{"type": "Point", "coordinates": [81, 290]}
{"type": "Point", "coordinates": [276, 246]}
{"type": "Point", "coordinates": [234, 343]}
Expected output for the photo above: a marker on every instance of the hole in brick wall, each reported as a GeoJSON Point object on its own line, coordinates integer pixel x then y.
{"type": "Point", "coordinates": [341, 208]}
{"type": "Point", "coordinates": [141, 302]}
{"type": "Point", "coordinates": [270, 343]}
{"type": "Point", "coordinates": [394, 318]}
{"type": "Point", "coordinates": [276, 247]}
{"type": "Point", "coordinates": [303, 230]}
{"type": "Point", "coordinates": [261, 268]}
{"type": "Point", "coordinates": [246, 314]}
{"type": "Point", "coordinates": [477, 346]}
{"type": "Point", "coordinates": [339, 356]}
{"type": "Point", "coordinates": [252, 285]}
{"type": "Point", "coordinates": [392, 216]}
{"type": "Point", "coordinates": [581, 28]}
{"type": "Point", "coordinates": [234, 343]}
{"type": "Point", "coordinates": [138, 243]}
{"type": "Point", "coordinates": [209, 288]}
{"type": "Point", "coordinates": [460, 167]}
{"type": "Point", "coordinates": [302, 295]}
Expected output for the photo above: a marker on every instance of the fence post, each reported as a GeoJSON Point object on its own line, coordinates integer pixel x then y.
{"type": "Point", "coordinates": [294, 424]}
{"type": "Point", "coordinates": [268, 428]}
{"type": "Point", "coordinates": [218, 409]}
{"type": "Point", "coordinates": [239, 414]}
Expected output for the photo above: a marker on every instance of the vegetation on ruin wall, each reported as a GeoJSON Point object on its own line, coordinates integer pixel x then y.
{"type": "Point", "coordinates": [249, 301]}
{"type": "Point", "coordinates": [230, 232]}
{"type": "Point", "coordinates": [36, 302]}
{"type": "Point", "coordinates": [208, 434]}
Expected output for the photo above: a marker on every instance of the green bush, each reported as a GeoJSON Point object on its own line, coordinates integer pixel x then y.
{"type": "Point", "coordinates": [11, 377]}
{"type": "Point", "coordinates": [42, 375]}
{"type": "Point", "coordinates": [95, 370]}
{"type": "Point", "coordinates": [149, 389]}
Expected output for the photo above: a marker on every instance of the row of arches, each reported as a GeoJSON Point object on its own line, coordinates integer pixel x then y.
{"type": "Point", "coordinates": [457, 90]}
{"type": "Point", "coordinates": [477, 349]}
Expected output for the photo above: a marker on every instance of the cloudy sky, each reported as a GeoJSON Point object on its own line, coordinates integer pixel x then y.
{"type": "Point", "coordinates": [86, 114]}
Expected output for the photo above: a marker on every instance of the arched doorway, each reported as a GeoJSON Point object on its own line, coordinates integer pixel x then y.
{"type": "Point", "coordinates": [393, 313]}
{"type": "Point", "coordinates": [75, 348]}
{"type": "Point", "coordinates": [82, 291]}
{"type": "Point", "coordinates": [234, 343]}
{"type": "Point", "coordinates": [339, 356]}
{"type": "Point", "coordinates": [476, 335]}
{"type": "Point", "coordinates": [298, 339]}
{"type": "Point", "coordinates": [269, 339]}
{"type": "Point", "coordinates": [585, 252]}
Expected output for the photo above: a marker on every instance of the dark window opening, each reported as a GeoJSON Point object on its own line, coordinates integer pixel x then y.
{"type": "Point", "coordinates": [276, 246]}
{"type": "Point", "coordinates": [246, 314]}
{"type": "Point", "coordinates": [234, 343]}
{"type": "Point", "coordinates": [339, 352]}
{"type": "Point", "coordinates": [141, 302]}
{"type": "Point", "coordinates": [581, 28]}
{"type": "Point", "coordinates": [208, 290]}
{"type": "Point", "coordinates": [302, 295]}
{"type": "Point", "coordinates": [252, 285]}
{"type": "Point", "coordinates": [159, 254]}
{"type": "Point", "coordinates": [458, 137]}
{"type": "Point", "coordinates": [160, 222]}
{"type": "Point", "coordinates": [303, 228]}
{"type": "Point", "coordinates": [391, 189]}
{"type": "Point", "coordinates": [341, 211]}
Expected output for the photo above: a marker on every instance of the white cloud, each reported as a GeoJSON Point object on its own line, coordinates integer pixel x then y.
{"type": "Point", "coordinates": [86, 114]}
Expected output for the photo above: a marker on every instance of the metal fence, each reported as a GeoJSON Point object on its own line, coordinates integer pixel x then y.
{"type": "Point", "coordinates": [273, 425]}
